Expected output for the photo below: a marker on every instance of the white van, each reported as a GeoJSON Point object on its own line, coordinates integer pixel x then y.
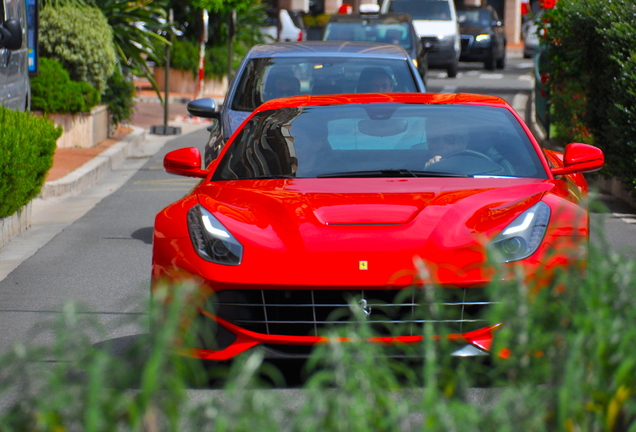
{"type": "Point", "coordinates": [436, 23]}
{"type": "Point", "coordinates": [292, 28]}
{"type": "Point", "coordinates": [14, 64]}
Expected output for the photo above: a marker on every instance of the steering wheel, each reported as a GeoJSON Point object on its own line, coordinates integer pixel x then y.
{"type": "Point", "coordinates": [467, 152]}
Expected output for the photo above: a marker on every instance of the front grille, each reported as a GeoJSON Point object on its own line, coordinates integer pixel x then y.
{"type": "Point", "coordinates": [389, 312]}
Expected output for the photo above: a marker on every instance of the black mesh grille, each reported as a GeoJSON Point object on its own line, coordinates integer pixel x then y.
{"type": "Point", "coordinates": [390, 312]}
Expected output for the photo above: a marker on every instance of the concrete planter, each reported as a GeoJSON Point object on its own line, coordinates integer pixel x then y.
{"type": "Point", "coordinates": [84, 130]}
{"type": "Point", "coordinates": [185, 82]}
{"type": "Point", "coordinates": [14, 225]}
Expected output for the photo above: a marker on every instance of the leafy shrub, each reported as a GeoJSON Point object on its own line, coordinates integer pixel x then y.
{"type": "Point", "coordinates": [590, 43]}
{"type": "Point", "coordinates": [81, 40]}
{"type": "Point", "coordinates": [52, 91]}
{"type": "Point", "coordinates": [120, 98]}
{"type": "Point", "coordinates": [27, 145]}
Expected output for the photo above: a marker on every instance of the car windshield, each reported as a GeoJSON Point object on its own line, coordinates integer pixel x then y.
{"type": "Point", "coordinates": [380, 140]}
{"type": "Point", "coordinates": [474, 18]}
{"type": "Point", "coordinates": [395, 34]}
{"type": "Point", "coordinates": [264, 79]}
{"type": "Point", "coordinates": [422, 9]}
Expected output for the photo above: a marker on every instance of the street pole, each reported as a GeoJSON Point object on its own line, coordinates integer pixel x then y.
{"type": "Point", "coordinates": [202, 40]}
{"type": "Point", "coordinates": [166, 88]}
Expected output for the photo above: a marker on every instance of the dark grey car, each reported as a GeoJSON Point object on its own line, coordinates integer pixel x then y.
{"type": "Point", "coordinates": [391, 28]}
{"type": "Point", "coordinates": [483, 36]}
{"type": "Point", "coordinates": [276, 70]}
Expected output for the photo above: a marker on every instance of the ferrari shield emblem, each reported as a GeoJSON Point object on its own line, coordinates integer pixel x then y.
{"type": "Point", "coordinates": [363, 265]}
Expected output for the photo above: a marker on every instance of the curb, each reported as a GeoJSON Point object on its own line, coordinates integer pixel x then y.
{"type": "Point", "coordinates": [87, 175]}
{"type": "Point", "coordinates": [14, 225]}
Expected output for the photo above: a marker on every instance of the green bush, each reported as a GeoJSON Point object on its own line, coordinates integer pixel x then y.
{"type": "Point", "coordinates": [81, 40]}
{"type": "Point", "coordinates": [27, 145]}
{"type": "Point", "coordinates": [52, 91]}
{"type": "Point", "coordinates": [120, 98]}
{"type": "Point", "coordinates": [592, 81]}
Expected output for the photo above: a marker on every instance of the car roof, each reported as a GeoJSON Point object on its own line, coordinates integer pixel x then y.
{"type": "Point", "coordinates": [421, 98]}
{"type": "Point", "coordinates": [328, 48]}
{"type": "Point", "coordinates": [385, 18]}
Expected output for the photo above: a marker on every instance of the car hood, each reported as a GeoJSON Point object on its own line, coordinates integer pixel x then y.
{"type": "Point", "coordinates": [435, 28]}
{"type": "Point", "coordinates": [474, 30]}
{"type": "Point", "coordinates": [320, 227]}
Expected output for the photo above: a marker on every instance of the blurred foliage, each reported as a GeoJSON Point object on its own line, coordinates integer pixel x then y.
{"type": "Point", "coordinates": [185, 51]}
{"type": "Point", "coordinates": [53, 91]}
{"type": "Point", "coordinates": [139, 33]}
{"type": "Point", "coordinates": [27, 145]}
{"type": "Point", "coordinates": [120, 98]}
{"type": "Point", "coordinates": [592, 80]}
{"type": "Point", "coordinates": [81, 40]}
{"type": "Point", "coordinates": [569, 365]}
{"type": "Point", "coordinates": [319, 21]}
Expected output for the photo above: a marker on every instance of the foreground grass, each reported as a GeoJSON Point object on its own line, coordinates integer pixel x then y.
{"type": "Point", "coordinates": [571, 367]}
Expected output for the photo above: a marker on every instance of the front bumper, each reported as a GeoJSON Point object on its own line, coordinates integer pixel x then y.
{"type": "Point", "coordinates": [473, 50]}
{"type": "Point", "coordinates": [442, 54]}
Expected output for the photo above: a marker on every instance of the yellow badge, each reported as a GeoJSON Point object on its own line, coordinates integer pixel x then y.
{"type": "Point", "coordinates": [363, 265]}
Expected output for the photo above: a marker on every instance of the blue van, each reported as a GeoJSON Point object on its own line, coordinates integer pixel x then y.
{"type": "Point", "coordinates": [15, 90]}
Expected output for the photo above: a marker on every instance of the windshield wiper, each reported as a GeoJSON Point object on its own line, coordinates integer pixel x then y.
{"type": "Point", "coordinates": [391, 173]}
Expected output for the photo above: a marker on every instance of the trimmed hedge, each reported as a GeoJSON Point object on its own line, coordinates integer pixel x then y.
{"type": "Point", "coordinates": [81, 39]}
{"type": "Point", "coordinates": [52, 91]}
{"type": "Point", "coordinates": [592, 81]}
{"type": "Point", "coordinates": [27, 145]}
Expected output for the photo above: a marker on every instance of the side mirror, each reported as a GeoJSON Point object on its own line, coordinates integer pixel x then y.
{"type": "Point", "coordinates": [204, 107]}
{"type": "Point", "coordinates": [580, 158]}
{"type": "Point", "coordinates": [11, 35]}
{"type": "Point", "coordinates": [184, 162]}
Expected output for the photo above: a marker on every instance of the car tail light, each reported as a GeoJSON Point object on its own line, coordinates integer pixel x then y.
{"type": "Point", "coordinates": [300, 36]}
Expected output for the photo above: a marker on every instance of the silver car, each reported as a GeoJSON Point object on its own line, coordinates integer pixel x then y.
{"type": "Point", "coordinates": [277, 70]}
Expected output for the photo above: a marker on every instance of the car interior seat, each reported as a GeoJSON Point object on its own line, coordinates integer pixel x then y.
{"type": "Point", "coordinates": [271, 91]}
{"type": "Point", "coordinates": [366, 77]}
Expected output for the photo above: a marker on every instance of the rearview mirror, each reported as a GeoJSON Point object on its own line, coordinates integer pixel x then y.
{"type": "Point", "coordinates": [185, 162]}
{"type": "Point", "coordinates": [204, 107]}
{"type": "Point", "coordinates": [580, 158]}
{"type": "Point", "coordinates": [11, 35]}
{"type": "Point", "coordinates": [382, 128]}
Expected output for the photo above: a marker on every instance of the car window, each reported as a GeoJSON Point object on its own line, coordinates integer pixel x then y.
{"type": "Point", "coordinates": [423, 9]}
{"type": "Point", "coordinates": [474, 17]}
{"type": "Point", "coordinates": [395, 34]}
{"type": "Point", "coordinates": [264, 79]}
{"type": "Point", "coordinates": [315, 141]}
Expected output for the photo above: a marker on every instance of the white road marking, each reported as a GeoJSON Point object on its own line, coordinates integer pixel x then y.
{"type": "Point", "coordinates": [491, 76]}
{"type": "Point", "coordinates": [449, 89]}
{"type": "Point", "coordinates": [525, 78]}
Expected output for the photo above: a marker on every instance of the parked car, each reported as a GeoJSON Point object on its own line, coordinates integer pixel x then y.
{"type": "Point", "coordinates": [391, 28]}
{"type": "Point", "coordinates": [436, 24]}
{"type": "Point", "coordinates": [15, 88]}
{"type": "Point", "coordinates": [302, 68]}
{"type": "Point", "coordinates": [318, 204]}
{"type": "Point", "coordinates": [292, 28]}
{"type": "Point", "coordinates": [483, 36]}
{"type": "Point", "coordinates": [530, 33]}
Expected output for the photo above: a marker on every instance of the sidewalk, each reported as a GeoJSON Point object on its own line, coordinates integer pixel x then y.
{"type": "Point", "coordinates": [148, 112]}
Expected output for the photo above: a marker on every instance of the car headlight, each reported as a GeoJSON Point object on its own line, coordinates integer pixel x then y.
{"type": "Point", "coordinates": [482, 38]}
{"type": "Point", "coordinates": [446, 39]}
{"type": "Point", "coordinates": [523, 236]}
{"type": "Point", "coordinates": [212, 241]}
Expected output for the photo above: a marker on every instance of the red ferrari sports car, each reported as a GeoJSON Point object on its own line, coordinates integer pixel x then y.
{"type": "Point", "coordinates": [314, 211]}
